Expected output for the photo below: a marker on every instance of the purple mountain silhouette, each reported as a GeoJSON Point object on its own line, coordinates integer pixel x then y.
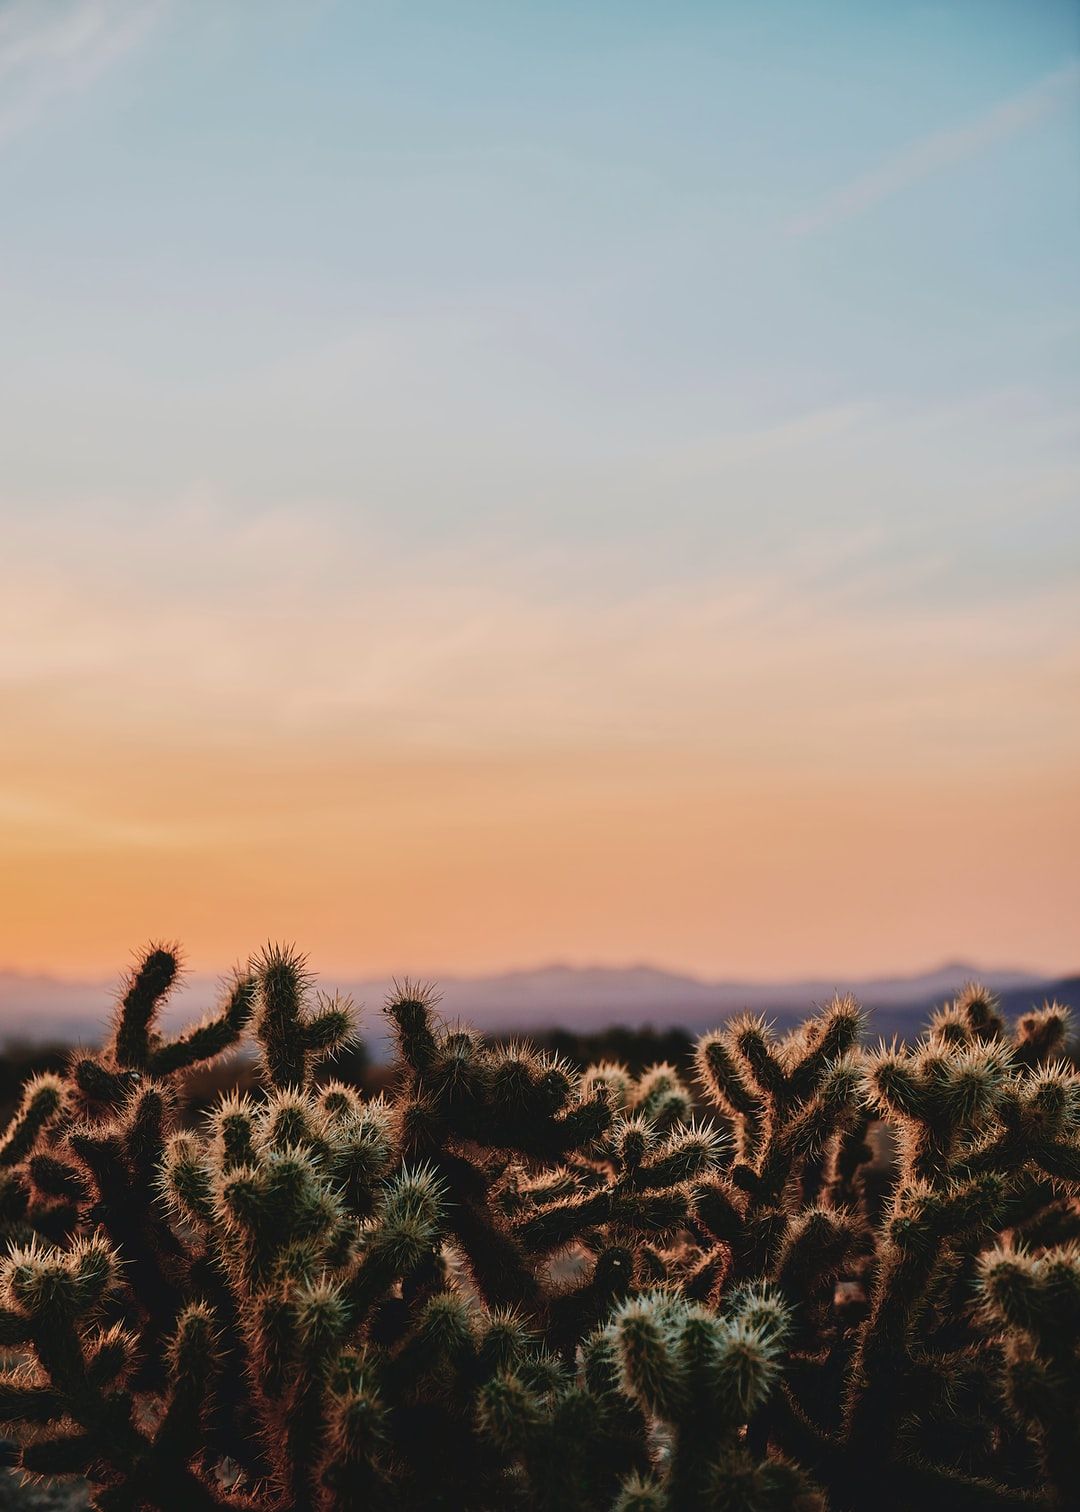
{"type": "Point", "coordinates": [41, 1008]}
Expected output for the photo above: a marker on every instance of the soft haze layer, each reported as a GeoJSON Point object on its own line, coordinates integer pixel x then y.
{"type": "Point", "coordinates": [485, 483]}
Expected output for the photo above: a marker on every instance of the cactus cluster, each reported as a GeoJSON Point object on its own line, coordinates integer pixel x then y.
{"type": "Point", "coordinates": [800, 1274]}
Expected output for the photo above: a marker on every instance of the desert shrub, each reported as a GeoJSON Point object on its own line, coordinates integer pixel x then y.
{"type": "Point", "coordinates": [508, 1282]}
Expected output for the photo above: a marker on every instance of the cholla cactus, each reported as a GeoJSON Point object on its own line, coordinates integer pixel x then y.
{"type": "Point", "coordinates": [793, 1104]}
{"type": "Point", "coordinates": [702, 1377]}
{"type": "Point", "coordinates": [21, 1219]}
{"type": "Point", "coordinates": [1033, 1303]}
{"type": "Point", "coordinates": [988, 1137]}
{"type": "Point", "coordinates": [537, 1160]}
{"type": "Point", "coordinates": [514, 1284]}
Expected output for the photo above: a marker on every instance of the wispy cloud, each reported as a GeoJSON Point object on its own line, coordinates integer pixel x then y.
{"type": "Point", "coordinates": [201, 631]}
{"type": "Point", "coordinates": [940, 151]}
{"type": "Point", "coordinates": [50, 52]}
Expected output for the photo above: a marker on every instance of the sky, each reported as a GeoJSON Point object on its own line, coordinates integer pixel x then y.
{"type": "Point", "coordinates": [488, 484]}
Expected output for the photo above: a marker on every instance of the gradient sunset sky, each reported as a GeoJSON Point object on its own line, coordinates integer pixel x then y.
{"type": "Point", "coordinates": [493, 483]}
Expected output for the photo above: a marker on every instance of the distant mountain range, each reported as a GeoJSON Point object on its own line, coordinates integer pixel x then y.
{"type": "Point", "coordinates": [41, 1009]}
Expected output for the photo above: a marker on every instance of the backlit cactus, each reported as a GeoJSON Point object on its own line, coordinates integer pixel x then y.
{"type": "Point", "coordinates": [798, 1275]}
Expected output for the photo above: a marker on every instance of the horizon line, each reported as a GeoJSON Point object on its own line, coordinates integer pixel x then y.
{"type": "Point", "coordinates": [793, 979]}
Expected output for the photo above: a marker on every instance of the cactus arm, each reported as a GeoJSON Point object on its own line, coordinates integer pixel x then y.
{"type": "Point", "coordinates": [42, 1102]}
{"type": "Point", "coordinates": [210, 1039]}
{"type": "Point", "coordinates": [146, 990]}
{"type": "Point", "coordinates": [723, 1077]}
{"type": "Point", "coordinates": [498, 1258]}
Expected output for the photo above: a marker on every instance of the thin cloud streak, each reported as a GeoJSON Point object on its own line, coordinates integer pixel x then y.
{"type": "Point", "coordinates": [942, 150]}
{"type": "Point", "coordinates": [791, 664]}
{"type": "Point", "coordinates": [50, 53]}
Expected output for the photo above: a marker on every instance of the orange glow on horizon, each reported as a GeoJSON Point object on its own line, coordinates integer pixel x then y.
{"type": "Point", "coordinates": [478, 866]}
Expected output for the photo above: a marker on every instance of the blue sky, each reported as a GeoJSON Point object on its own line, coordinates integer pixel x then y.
{"type": "Point", "coordinates": [519, 377]}
{"type": "Point", "coordinates": [572, 222]}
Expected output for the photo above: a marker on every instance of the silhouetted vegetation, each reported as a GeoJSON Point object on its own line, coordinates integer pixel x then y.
{"type": "Point", "coordinates": [521, 1280]}
{"type": "Point", "coordinates": [634, 1048]}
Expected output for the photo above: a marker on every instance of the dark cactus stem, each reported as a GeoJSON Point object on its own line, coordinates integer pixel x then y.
{"type": "Point", "coordinates": [145, 994]}
{"type": "Point", "coordinates": [283, 982]}
{"type": "Point", "coordinates": [410, 1009]}
{"type": "Point", "coordinates": [498, 1265]}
